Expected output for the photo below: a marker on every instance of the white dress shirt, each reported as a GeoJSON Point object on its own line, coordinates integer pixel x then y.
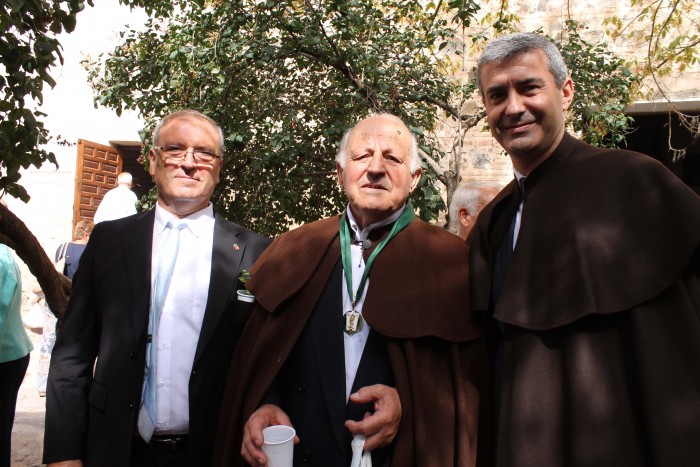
{"type": "Point", "coordinates": [519, 214]}
{"type": "Point", "coordinates": [355, 344]}
{"type": "Point", "coordinates": [182, 315]}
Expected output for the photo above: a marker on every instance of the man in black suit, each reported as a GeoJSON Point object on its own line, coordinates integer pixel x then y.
{"type": "Point", "coordinates": [95, 411]}
{"type": "Point", "coordinates": [329, 341]}
{"type": "Point", "coordinates": [587, 266]}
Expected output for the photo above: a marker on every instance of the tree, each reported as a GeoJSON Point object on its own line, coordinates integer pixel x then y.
{"type": "Point", "coordinates": [598, 118]}
{"type": "Point", "coordinates": [667, 32]}
{"type": "Point", "coordinates": [285, 78]}
{"type": "Point", "coordinates": [28, 49]}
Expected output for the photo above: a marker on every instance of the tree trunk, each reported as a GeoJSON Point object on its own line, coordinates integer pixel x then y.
{"type": "Point", "coordinates": [15, 234]}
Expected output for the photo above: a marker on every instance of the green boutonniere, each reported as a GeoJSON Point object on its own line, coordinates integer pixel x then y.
{"type": "Point", "coordinates": [243, 294]}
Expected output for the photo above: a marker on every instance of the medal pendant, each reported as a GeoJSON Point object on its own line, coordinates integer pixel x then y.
{"type": "Point", "coordinates": [353, 322]}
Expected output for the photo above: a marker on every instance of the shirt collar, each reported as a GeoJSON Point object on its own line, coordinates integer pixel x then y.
{"type": "Point", "coordinates": [518, 175]}
{"type": "Point", "coordinates": [362, 234]}
{"type": "Point", "coordinates": [196, 222]}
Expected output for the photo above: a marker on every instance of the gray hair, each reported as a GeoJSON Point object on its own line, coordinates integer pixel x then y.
{"type": "Point", "coordinates": [468, 196]}
{"type": "Point", "coordinates": [184, 114]}
{"type": "Point", "coordinates": [506, 48]}
{"type": "Point", "coordinates": [124, 178]}
{"type": "Point", "coordinates": [342, 151]}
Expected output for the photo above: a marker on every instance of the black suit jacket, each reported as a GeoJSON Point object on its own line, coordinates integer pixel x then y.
{"type": "Point", "coordinates": [311, 385]}
{"type": "Point", "coordinates": [93, 416]}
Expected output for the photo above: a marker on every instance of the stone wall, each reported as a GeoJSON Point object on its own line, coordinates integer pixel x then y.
{"type": "Point", "coordinates": [482, 158]}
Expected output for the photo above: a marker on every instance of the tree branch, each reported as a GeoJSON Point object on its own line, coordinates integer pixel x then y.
{"type": "Point", "coordinates": [679, 51]}
{"type": "Point", "coordinates": [434, 166]}
{"type": "Point", "coordinates": [320, 57]}
{"type": "Point", "coordinates": [55, 285]}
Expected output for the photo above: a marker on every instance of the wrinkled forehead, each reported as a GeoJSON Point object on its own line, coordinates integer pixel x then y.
{"type": "Point", "coordinates": [381, 133]}
{"type": "Point", "coordinates": [188, 126]}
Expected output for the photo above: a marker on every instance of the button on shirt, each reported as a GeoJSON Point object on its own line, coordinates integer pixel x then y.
{"type": "Point", "coordinates": [181, 319]}
{"type": "Point", "coordinates": [355, 344]}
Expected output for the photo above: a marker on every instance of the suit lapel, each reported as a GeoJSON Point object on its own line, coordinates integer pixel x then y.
{"type": "Point", "coordinates": [138, 244]}
{"type": "Point", "coordinates": [325, 329]}
{"type": "Point", "coordinates": [225, 264]}
{"type": "Point", "coordinates": [374, 368]}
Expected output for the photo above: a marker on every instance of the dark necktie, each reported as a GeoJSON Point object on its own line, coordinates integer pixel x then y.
{"type": "Point", "coordinates": [500, 267]}
{"type": "Point", "coordinates": [505, 251]}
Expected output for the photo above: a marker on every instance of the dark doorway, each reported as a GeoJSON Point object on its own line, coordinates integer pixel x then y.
{"type": "Point", "coordinates": [96, 173]}
{"type": "Point", "coordinates": [651, 136]}
{"type": "Point", "coordinates": [132, 163]}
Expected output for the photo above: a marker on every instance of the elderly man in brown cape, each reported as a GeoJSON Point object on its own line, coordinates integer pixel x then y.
{"type": "Point", "coordinates": [596, 310]}
{"type": "Point", "coordinates": [351, 307]}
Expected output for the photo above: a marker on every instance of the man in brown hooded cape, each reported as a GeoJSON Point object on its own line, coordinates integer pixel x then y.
{"type": "Point", "coordinates": [596, 310]}
{"type": "Point", "coordinates": [423, 341]}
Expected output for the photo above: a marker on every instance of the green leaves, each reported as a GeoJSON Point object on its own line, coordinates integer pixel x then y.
{"type": "Point", "coordinates": [285, 79]}
{"type": "Point", "coordinates": [28, 49]}
{"type": "Point", "coordinates": [598, 116]}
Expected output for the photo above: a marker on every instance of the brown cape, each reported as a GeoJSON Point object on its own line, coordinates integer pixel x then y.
{"type": "Point", "coordinates": [417, 299]}
{"type": "Point", "coordinates": [599, 314]}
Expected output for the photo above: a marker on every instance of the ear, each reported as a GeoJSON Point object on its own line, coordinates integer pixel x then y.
{"type": "Point", "coordinates": [567, 93]}
{"type": "Point", "coordinates": [152, 162]}
{"type": "Point", "coordinates": [216, 172]}
{"type": "Point", "coordinates": [415, 178]}
{"type": "Point", "coordinates": [339, 171]}
{"type": "Point", "coordinates": [463, 217]}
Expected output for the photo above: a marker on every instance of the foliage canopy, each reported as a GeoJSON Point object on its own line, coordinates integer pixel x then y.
{"type": "Point", "coordinates": [284, 79]}
{"type": "Point", "coordinates": [666, 32]}
{"type": "Point", "coordinates": [28, 49]}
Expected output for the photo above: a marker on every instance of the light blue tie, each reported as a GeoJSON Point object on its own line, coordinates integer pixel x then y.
{"type": "Point", "coordinates": [166, 263]}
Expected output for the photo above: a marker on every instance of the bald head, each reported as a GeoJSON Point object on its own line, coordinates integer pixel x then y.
{"type": "Point", "coordinates": [378, 167]}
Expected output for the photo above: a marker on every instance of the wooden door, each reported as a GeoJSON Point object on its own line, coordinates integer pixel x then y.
{"type": "Point", "coordinates": [96, 173]}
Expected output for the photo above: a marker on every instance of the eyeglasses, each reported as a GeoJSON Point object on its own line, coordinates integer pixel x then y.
{"type": "Point", "coordinates": [179, 154]}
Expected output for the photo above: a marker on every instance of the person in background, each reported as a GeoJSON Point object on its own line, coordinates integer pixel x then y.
{"type": "Point", "coordinates": [588, 264]}
{"type": "Point", "coordinates": [70, 253]}
{"type": "Point", "coordinates": [467, 202]}
{"type": "Point", "coordinates": [14, 347]}
{"type": "Point", "coordinates": [73, 250]}
{"type": "Point", "coordinates": [358, 314]}
{"type": "Point", "coordinates": [138, 370]}
{"type": "Point", "coordinates": [118, 202]}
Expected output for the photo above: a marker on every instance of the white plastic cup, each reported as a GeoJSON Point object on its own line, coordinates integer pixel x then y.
{"type": "Point", "coordinates": [278, 445]}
